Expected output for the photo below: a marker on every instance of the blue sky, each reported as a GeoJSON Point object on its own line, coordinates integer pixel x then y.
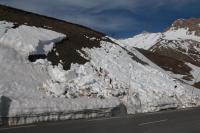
{"type": "Point", "coordinates": [117, 18]}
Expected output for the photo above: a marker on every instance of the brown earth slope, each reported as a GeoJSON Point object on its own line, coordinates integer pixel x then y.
{"type": "Point", "coordinates": [175, 55]}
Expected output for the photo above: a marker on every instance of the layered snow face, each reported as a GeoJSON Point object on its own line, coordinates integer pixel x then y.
{"type": "Point", "coordinates": [112, 72]}
{"type": "Point", "coordinates": [4, 26]}
{"type": "Point", "coordinates": [21, 81]}
{"type": "Point", "coordinates": [143, 41]}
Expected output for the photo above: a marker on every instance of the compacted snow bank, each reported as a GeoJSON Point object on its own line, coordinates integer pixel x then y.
{"type": "Point", "coordinates": [22, 98]}
{"type": "Point", "coordinates": [53, 109]}
{"type": "Point", "coordinates": [26, 39]}
{"type": "Point", "coordinates": [141, 88]}
{"type": "Point", "coordinates": [113, 76]}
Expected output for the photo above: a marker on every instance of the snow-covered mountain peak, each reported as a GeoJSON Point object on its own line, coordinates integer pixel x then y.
{"type": "Point", "coordinates": [185, 29]}
{"type": "Point", "coordinates": [192, 25]}
{"type": "Point", "coordinates": [143, 41]}
{"type": "Point", "coordinates": [181, 29]}
{"type": "Point", "coordinates": [180, 43]}
{"type": "Point", "coordinates": [181, 34]}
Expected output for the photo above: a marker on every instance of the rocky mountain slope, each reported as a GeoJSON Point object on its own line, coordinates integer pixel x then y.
{"type": "Point", "coordinates": [176, 50]}
{"type": "Point", "coordinates": [55, 70]}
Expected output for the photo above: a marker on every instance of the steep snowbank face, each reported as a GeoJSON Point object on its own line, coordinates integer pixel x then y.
{"type": "Point", "coordinates": [21, 81]}
{"type": "Point", "coordinates": [4, 26]}
{"type": "Point", "coordinates": [143, 41]}
{"type": "Point", "coordinates": [112, 72]}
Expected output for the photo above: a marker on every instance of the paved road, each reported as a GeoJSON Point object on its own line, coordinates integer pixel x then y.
{"type": "Point", "coordinates": [182, 121]}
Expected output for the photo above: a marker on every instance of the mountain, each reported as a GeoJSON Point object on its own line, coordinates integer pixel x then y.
{"type": "Point", "coordinates": [177, 50]}
{"type": "Point", "coordinates": [55, 70]}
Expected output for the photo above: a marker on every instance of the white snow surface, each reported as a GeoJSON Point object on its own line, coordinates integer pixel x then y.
{"type": "Point", "coordinates": [22, 81]}
{"type": "Point", "coordinates": [112, 72]}
{"type": "Point", "coordinates": [4, 26]}
{"type": "Point", "coordinates": [141, 81]}
{"type": "Point", "coordinates": [195, 72]}
{"type": "Point", "coordinates": [26, 39]}
{"type": "Point", "coordinates": [112, 76]}
{"type": "Point", "coordinates": [143, 41]}
{"type": "Point", "coordinates": [180, 34]}
{"type": "Point", "coordinates": [147, 40]}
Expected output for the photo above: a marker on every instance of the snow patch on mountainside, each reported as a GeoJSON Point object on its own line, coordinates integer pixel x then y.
{"type": "Point", "coordinates": [195, 72]}
{"type": "Point", "coordinates": [143, 41]}
{"type": "Point", "coordinates": [147, 40]}
{"type": "Point", "coordinates": [180, 34]}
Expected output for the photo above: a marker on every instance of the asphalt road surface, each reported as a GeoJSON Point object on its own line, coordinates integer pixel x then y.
{"type": "Point", "coordinates": [181, 121]}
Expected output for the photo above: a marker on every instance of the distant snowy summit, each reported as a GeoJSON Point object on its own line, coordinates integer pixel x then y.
{"type": "Point", "coordinates": [55, 70]}
{"type": "Point", "coordinates": [181, 29]}
{"type": "Point", "coordinates": [144, 41]}
{"type": "Point", "coordinates": [192, 25]}
{"type": "Point", "coordinates": [179, 43]}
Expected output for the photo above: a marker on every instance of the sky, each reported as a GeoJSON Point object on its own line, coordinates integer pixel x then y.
{"type": "Point", "coordinates": [116, 18]}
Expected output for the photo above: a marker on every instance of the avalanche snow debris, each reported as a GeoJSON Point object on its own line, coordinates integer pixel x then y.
{"type": "Point", "coordinates": [111, 72]}
{"type": "Point", "coordinates": [22, 81]}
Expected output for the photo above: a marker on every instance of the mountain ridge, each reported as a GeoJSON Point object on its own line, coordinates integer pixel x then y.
{"type": "Point", "coordinates": [179, 43]}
